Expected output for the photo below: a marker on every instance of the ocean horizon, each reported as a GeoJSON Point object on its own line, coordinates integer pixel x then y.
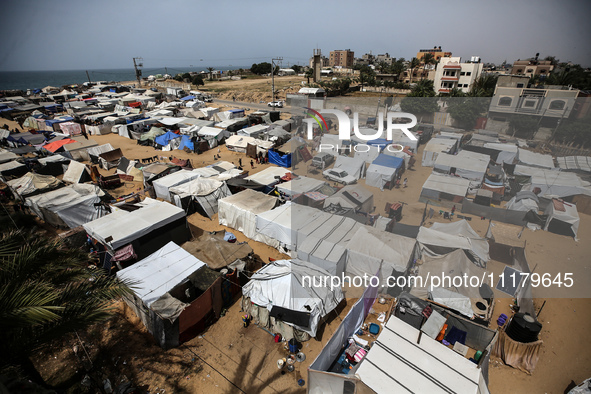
{"type": "Point", "coordinates": [23, 80]}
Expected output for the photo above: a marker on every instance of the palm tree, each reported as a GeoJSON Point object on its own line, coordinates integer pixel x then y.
{"type": "Point", "coordinates": [210, 71]}
{"type": "Point", "coordinates": [484, 85]}
{"type": "Point", "coordinates": [414, 63]}
{"type": "Point", "coordinates": [47, 291]}
{"type": "Point", "coordinates": [309, 74]}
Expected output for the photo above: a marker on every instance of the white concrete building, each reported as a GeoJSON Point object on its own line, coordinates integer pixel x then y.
{"type": "Point", "coordinates": [452, 73]}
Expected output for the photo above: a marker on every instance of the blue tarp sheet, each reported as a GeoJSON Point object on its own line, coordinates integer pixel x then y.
{"type": "Point", "coordinates": [388, 161]}
{"type": "Point", "coordinates": [379, 142]}
{"type": "Point", "coordinates": [51, 122]}
{"type": "Point", "coordinates": [164, 139]}
{"type": "Point", "coordinates": [186, 143]}
{"type": "Point", "coordinates": [277, 159]}
{"type": "Point", "coordinates": [234, 111]}
{"type": "Point", "coordinates": [187, 98]}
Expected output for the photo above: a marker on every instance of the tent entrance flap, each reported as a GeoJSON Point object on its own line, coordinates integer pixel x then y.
{"type": "Point", "coordinates": [298, 318]}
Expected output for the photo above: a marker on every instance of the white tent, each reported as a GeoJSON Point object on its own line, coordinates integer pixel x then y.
{"type": "Point", "coordinates": [368, 154]}
{"type": "Point", "coordinates": [239, 211]}
{"type": "Point", "coordinates": [299, 186]}
{"type": "Point", "coordinates": [438, 189]}
{"type": "Point", "coordinates": [507, 152]}
{"type": "Point", "coordinates": [281, 289]}
{"type": "Point", "coordinates": [239, 143]}
{"type": "Point", "coordinates": [32, 183]}
{"type": "Point", "coordinates": [205, 192]}
{"type": "Point", "coordinates": [162, 185]}
{"type": "Point", "coordinates": [553, 183]}
{"type": "Point", "coordinates": [213, 135]}
{"type": "Point", "coordinates": [123, 227]}
{"type": "Point", "coordinates": [208, 112]}
{"type": "Point", "coordinates": [467, 165]}
{"type": "Point", "coordinates": [269, 176]}
{"type": "Point", "coordinates": [453, 235]}
{"type": "Point", "coordinates": [534, 159]}
{"type": "Point", "coordinates": [397, 363]}
{"type": "Point", "coordinates": [6, 156]}
{"type": "Point", "coordinates": [255, 131]}
{"type": "Point", "coordinates": [75, 172]}
{"type": "Point", "coordinates": [523, 201]}
{"type": "Point", "coordinates": [69, 206]}
{"type": "Point", "coordinates": [434, 147]}
{"type": "Point", "coordinates": [352, 197]}
{"type": "Point", "coordinates": [371, 250]}
{"type": "Point", "coordinates": [399, 137]}
{"type": "Point", "coordinates": [563, 218]}
{"type": "Point", "coordinates": [230, 122]}
{"type": "Point", "coordinates": [352, 166]}
{"type": "Point", "coordinates": [580, 163]}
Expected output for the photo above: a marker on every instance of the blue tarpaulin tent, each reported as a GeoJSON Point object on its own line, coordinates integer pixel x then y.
{"type": "Point", "coordinates": [186, 143]}
{"type": "Point", "coordinates": [277, 159]}
{"type": "Point", "coordinates": [379, 142]}
{"type": "Point", "coordinates": [187, 98]}
{"type": "Point", "coordinates": [389, 161]}
{"type": "Point", "coordinates": [51, 122]}
{"type": "Point", "coordinates": [164, 139]}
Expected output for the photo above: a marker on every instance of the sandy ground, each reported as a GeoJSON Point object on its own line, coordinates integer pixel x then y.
{"type": "Point", "coordinates": [247, 357]}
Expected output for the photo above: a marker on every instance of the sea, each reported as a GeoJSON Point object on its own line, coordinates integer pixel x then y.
{"type": "Point", "coordinates": [23, 80]}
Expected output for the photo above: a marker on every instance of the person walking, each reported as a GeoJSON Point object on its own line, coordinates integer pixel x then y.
{"type": "Point", "coordinates": [405, 182]}
{"type": "Point", "coordinates": [251, 164]}
{"type": "Point", "coordinates": [240, 162]}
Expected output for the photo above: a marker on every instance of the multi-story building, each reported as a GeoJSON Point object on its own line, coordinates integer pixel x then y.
{"type": "Point", "coordinates": [385, 59]}
{"type": "Point", "coordinates": [436, 51]}
{"type": "Point", "coordinates": [531, 67]}
{"type": "Point", "coordinates": [341, 58]}
{"type": "Point", "coordinates": [452, 73]}
{"type": "Point", "coordinates": [323, 62]}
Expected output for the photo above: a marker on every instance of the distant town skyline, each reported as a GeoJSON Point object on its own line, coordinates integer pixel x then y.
{"type": "Point", "coordinates": [73, 35]}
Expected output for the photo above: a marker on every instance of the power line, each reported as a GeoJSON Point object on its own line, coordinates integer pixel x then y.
{"type": "Point", "coordinates": [212, 367]}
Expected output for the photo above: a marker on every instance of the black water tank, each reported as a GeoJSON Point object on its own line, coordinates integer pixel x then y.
{"type": "Point", "coordinates": [523, 328]}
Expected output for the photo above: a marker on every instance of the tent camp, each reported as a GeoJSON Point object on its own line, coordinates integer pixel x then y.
{"type": "Point", "coordinates": [232, 126]}
{"type": "Point", "coordinates": [150, 136]}
{"type": "Point", "coordinates": [213, 135]}
{"type": "Point", "coordinates": [155, 171]}
{"type": "Point", "coordinates": [95, 151]}
{"type": "Point", "coordinates": [383, 170]}
{"type": "Point", "coordinates": [148, 227]}
{"type": "Point", "coordinates": [552, 183]}
{"type": "Point", "coordinates": [352, 166]}
{"type": "Point", "coordinates": [240, 144]}
{"type": "Point", "coordinates": [76, 173]}
{"type": "Point", "coordinates": [353, 197]}
{"type": "Point", "coordinates": [563, 218]}
{"type": "Point", "coordinates": [168, 141]}
{"type": "Point", "coordinates": [162, 185]}
{"type": "Point", "coordinates": [52, 165]}
{"type": "Point", "coordinates": [299, 185]}
{"type": "Point", "coordinates": [279, 300]}
{"type": "Point", "coordinates": [443, 238]}
{"type": "Point", "coordinates": [575, 163]}
{"type": "Point", "coordinates": [175, 294]}
{"type": "Point", "coordinates": [12, 169]}
{"type": "Point", "coordinates": [465, 164]}
{"type": "Point", "coordinates": [444, 190]}
{"type": "Point", "coordinates": [31, 184]}
{"type": "Point", "coordinates": [6, 156]}
{"type": "Point", "coordinates": [256, 131]}
{"type": "Point", "coordinates": [371, 250]}
{"type": "Point", "coordinates": [110, 159]}
{"type": "Point", "coordinates": [507, 152]}
{"type": "Point", "coordinates": [524, 201]}
{"type": "Point", "coordinates": [199, 195]}
{"type": "Point", "coordinates": [435, 146]}
{"type": "Point", "coordinates": [79, 149]}
{"type": "Point", "coordinates": [534, 159]}
{"type": "Point", "coordinates": [239, 211]}
{"type": "Point", "coordinates": [69, 206]}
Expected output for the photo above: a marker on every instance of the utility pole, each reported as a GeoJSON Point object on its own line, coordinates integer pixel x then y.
{"type": "Point", "coordinates": [138, 69]}
{"type": "Point", "coordinates": [273, 76]}
{"type": "Point", "coordinates": [88, 76]}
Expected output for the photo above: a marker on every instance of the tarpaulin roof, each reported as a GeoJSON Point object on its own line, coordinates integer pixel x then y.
{"type": "Point", "coordinates": [187, 98]}
{"type": "Point", "coordinates": [277, 159]}
{"type": "Point", "coordinates": [455, 235]}
{"type": "Point", "coordinates": [215, 251]}
{"type": "Point", "coordinates": [388, 161]}
{"type": "Point", "coordinates": [54, 146]}
{"type": "Point", "coordinates": [152, 134]}
{"type": "Point", "coordinates": [31, 183]}
{"type": "Point", "coordinates": [164, 139]}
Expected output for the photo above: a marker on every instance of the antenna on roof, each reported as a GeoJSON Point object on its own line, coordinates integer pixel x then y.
{"type": "Point", "coordinates": [138, 69]}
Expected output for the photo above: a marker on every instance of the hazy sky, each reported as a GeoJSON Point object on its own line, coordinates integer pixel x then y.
{"type": "Point", "coordinates": [79, 34]}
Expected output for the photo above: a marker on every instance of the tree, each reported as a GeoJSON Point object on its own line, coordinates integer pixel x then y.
{"type": "Point", "coordinates": [47, 291]}
{"type": "Point", "coordinates": [398, 67]}
{"type": "Point", "coordinates": [466, 110]}
{"type": "Point", "coordinates": [574, 131]}
{"type": "Point", "coordinates": [296, 68]}
{"type": "Point", "coordinates": [178, 77]}
{"type": "Point", "coordinates": [186, 77]}
{"type": "Point", "coordinates": [261, 68]}
{"type": "Point", "coordinates": [309, 74]}
{"type": "Point", "coordinates": [484, 86]}
{"type": "Point", "coordinates": [523, 125]}
{"type": "Point", "coordinates": [210, 72]}
{"type": "Point", "coordinates": [366, 76]}
{"type": "Point", "coordinates": [414, 63]}
{"type": "Point", "coordinates": [198, 80]}
{"type": "Point", "coordinates": [421, 99]}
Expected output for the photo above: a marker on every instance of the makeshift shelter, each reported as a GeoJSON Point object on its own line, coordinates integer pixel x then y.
{"type": "Point", "coordinates": [534, 159]}
{"type": "Point", "coordinates": [524, 201]}
{"type": "Point", "coordinates": [76, 173]}
{"type": "Point", "coordinates": [54, 146]}
{"type": "Point", "coordinates": [162, 185]}
{"type": "Point", "coordinates": [70, 128]}
{"type": "Point", "coordinates": [443, 238]}
{"type": "Point", "coordinates": [213, 135]}
{"type": "Point", "coordinates": [12, 169]}
{"type": "Point", "coordinates": [383, 170]}
{"type": "Point", "coordinates": [239, 211]}
{"type": "Point", "coordinates": [175, 294]}
{"type": "Point", "coordinates": [151, 135]}
{"type": "Point", "coordinates": [352, 166]}
{"type": "Point", "coordinates": [436, 146]}
{"type": "Point", "coordinates": [295, 150]}
{"type": "Point", "coordinates": [69, 206]}
{"type": "Point", "coordinates": [79, 149]}
{"type": "Point", "coordinates": [256, 131]}
{"type": "Point", "coordinates": [299, 185]}
{"type": "Point", "coordinates": [563, 218]}
{"type": "Point", "coordinates": [52, 165]}
{"type": "Point", "coordinates": [507, 152]}
{"type": "Point", "coordinates": [352, 197]}
{"type": "Point", "coordinates": [212, 248]}
{"type": "Point", "coordinates": [575, 163]}
{"type": "Point", "coordinates": [209, 112]}
{"type": "Point", "coordinates": [465, 164]}
{"type": "Point", "coordinates": [552, 183]}
{"type": "Point", "coordinates": [465, 299]}
{"type": "Point", "coordinates": [444, 190]}
{"type": "Point", "coordinates": [148, 227]}
{"type": "Point", "coordinates": [199, 195]}
{"type": "Point", "coordinates": [279, 298]}
{"type": "Point", "coordinates": [269, 177]}
{"type": "Point", "coordinates": [110, 159]}
{"type": "Point", "coordinates": [371, 251]}
{"type": "Point", "coordinates": [240, 144]}
{"type": "Point", "coordinates": [232, 126]}
{"type": "Point", "coordinates": [168, 141]}
{"type": "Point", "coordinates": [31, 184]}
{"type": "Point", "coordinates": [95, 151]}
{"type": "Point", "coordinates": [155, 171]}
{"type": "Point", "coordinates": [6, 156]}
